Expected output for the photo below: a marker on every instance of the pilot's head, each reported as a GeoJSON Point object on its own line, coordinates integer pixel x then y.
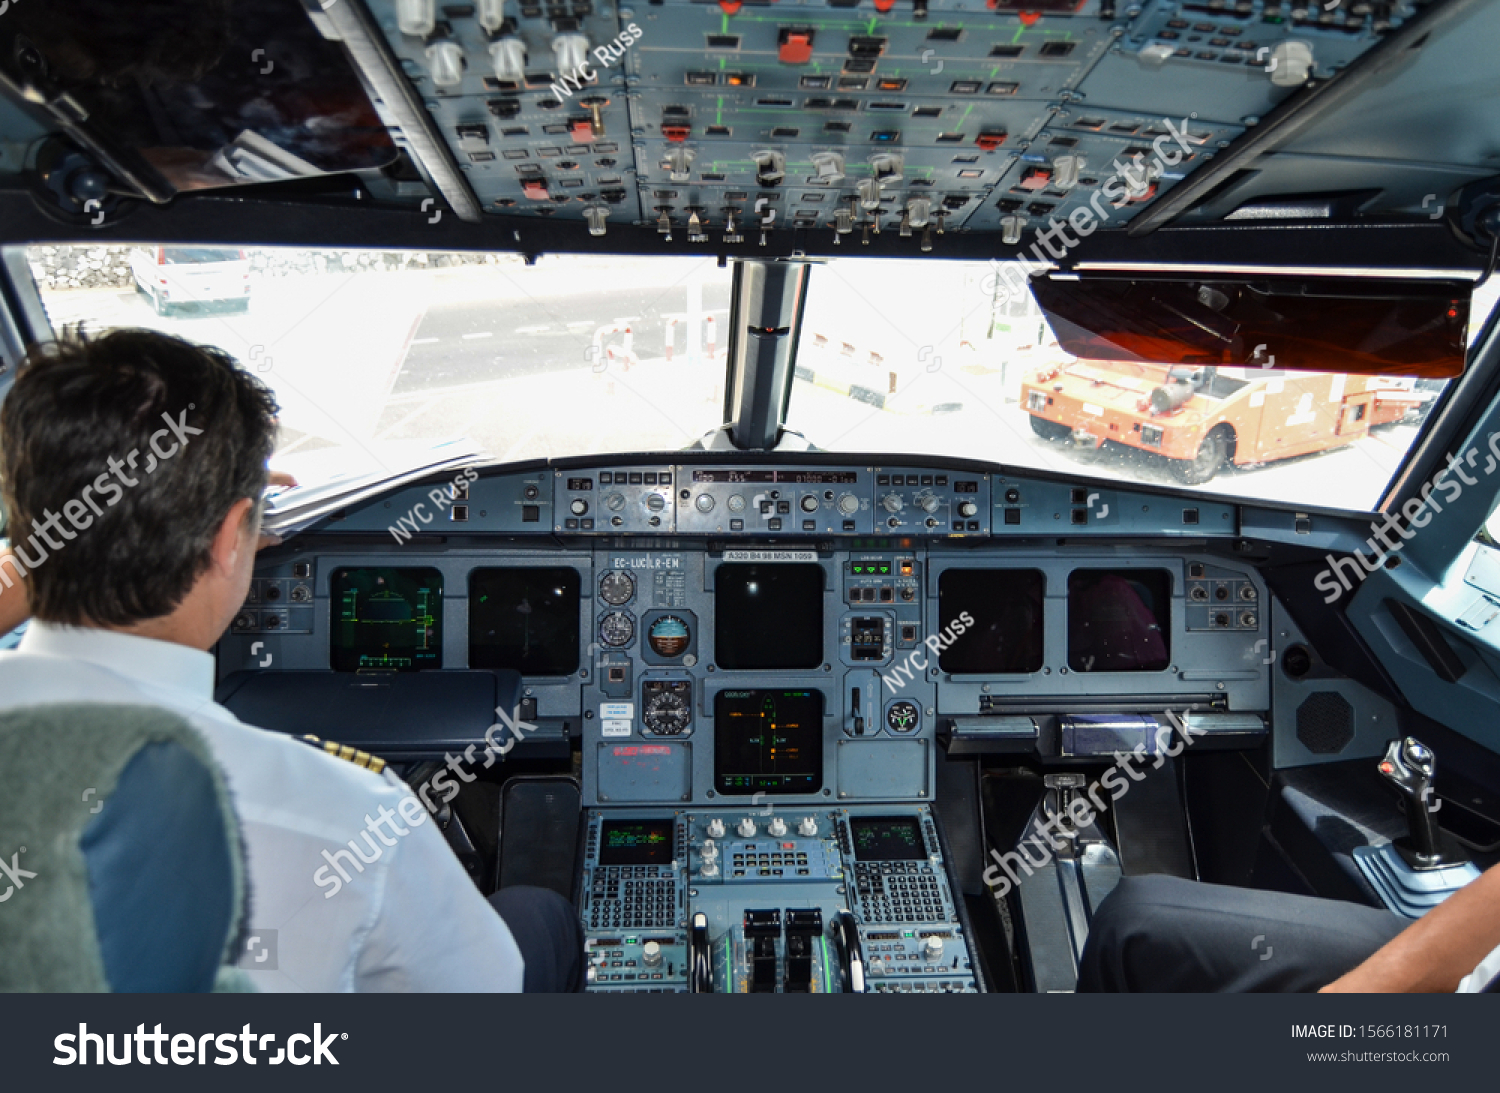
{"type": "Point", "coordinates": [132, 467]}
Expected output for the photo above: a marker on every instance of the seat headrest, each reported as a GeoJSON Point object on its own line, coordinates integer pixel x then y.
{"type": "Point", "coordinates": [121, 867]}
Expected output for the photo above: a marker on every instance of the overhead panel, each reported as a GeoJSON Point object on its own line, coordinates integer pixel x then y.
{"type": "Point", "coordinates": [726, 123]}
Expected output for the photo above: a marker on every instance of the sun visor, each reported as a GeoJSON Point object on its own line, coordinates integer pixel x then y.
{"type": "Point", "coordinates": [1353, 325]}
{"type": "Point", "coordinates": [176, 96]}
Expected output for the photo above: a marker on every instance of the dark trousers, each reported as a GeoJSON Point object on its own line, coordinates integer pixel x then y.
{"type": "Point", "coordinates": [549, 935]}
{"type": "Point", "coordinates": [1159, 933]}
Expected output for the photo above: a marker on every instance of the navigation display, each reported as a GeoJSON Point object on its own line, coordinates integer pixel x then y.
{"type": "Point", "coordinates": [526, 619]}
{"type": "Point", "coordinates": [1119, 620]}
{"type": "Point", "coordinates": [1006, 608]}
{"type": "Point", "coordinates": [768, 742]}
{"type": "Point", "coordinates": [635, 842]}
{"type": "Point", "coordinates": [882, 838]}
{"type": "Point", "coordinates": [768, 616]}
{"type": "Point", "coordinates": [386, 619]}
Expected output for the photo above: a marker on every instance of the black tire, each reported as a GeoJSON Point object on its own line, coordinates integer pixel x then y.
{"type": "Point", "coordinates": [1206, 464]}
{"type": "Point", "coordinates": [1049, 430]}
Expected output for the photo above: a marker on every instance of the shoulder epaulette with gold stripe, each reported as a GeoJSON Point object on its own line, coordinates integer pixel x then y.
{"type": "Point", "coordinates": [372, 763]}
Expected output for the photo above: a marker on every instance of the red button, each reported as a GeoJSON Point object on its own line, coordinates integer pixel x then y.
{"type": "Point", "coordinates": [583, 131]}
{"type": "Point", "coordinates": [676, 133]}
{"type": "Point", "coordinates": [1037, 178]}
{"type": "Point", "coordinates": [797, 49]}
{"type": "Point", "coordinates": [535, 189]}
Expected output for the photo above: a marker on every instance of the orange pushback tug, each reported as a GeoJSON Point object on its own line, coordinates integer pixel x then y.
{"type": "Point", "coordinates": [1199, 417]}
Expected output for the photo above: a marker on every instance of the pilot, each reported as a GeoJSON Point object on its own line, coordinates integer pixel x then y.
{"type": "Point", "coordinates": [1158, 933]}
{"type": "Point", "coordinates": [132, 468]}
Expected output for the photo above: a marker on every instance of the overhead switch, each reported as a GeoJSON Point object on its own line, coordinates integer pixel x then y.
{"type": "Point", "coordinates": [570, 52]}
{"type": "Point", "coordinates": [795, 47]}
{"type": "Point", "coordinates": [1036, 178]}
{"type": "Point", "coordinates": [509, 57]}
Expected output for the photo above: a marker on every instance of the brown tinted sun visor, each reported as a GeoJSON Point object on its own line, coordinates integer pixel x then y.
{"type": "Point", "coordinates": [1355, 325]}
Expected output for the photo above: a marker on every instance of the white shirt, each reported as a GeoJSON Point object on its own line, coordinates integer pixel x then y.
{"type": "Point", "coordinates": [412, 920]}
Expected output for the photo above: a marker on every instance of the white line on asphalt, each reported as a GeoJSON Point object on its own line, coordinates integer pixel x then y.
{"type": "Point", "coordinates": [471, 337]}
{"type": "Point", "coordinates": [531, 329]}
{"type": "Point", "coordinates": [425, 341]}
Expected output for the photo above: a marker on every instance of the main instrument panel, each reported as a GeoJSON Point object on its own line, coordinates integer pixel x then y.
{"type": "Point", "coordinates": [757, 665]}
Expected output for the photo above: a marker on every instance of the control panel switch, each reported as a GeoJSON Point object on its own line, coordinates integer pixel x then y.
{"type": "Point", "coordinates": [651, 954]}
{"type": "Point", "coordinates": [795, 47]}
{"type": "Point", "coordinates": [777, 828]}
{"type": "Point", "coordinates": [680, 164]}
{"type": "Point", "coordinates": [770, 167]}
{"type": "Point", "coordinates": [807, 827]}
{"type": "Point", "coordinates": [746, 829]}
{"type": "Point", "coordinates": [445, 64]}
{"type": "Point", "coordinates": [509, 58]}
{"type": "Point", "coordinates": [830, 167]}
{"type": "Point", "coordinates": [716, 828]}
{"type": "Point", "coordinates": [570, 51]}
{"type": "Point", "coordinates": [932, 949]}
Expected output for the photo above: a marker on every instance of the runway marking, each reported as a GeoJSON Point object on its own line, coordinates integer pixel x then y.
{"type": "Point", "coordinates": [471, 337]}
{"type": "Point", "coordinates": [426, 341]}
{"type": "Point", "coordinates": [532, 329]}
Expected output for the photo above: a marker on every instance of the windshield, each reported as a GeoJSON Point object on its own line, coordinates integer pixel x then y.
{"type": "Point", "coordinates": [373, 354]}
{"type": "Point", "coordinates": [939, 358]}
{"type": "Point", "coordinates": [378, 356]}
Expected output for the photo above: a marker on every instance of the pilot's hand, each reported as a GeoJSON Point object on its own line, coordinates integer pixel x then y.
{"type": "Point", "coordinates": [285, 481]}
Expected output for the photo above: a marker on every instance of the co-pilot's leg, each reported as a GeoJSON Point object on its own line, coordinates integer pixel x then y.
{"type": "Point", "coordinates": [1158, 933]}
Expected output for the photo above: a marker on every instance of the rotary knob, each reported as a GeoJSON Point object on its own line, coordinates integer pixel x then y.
{"type": "Point", "coordinates": [808, 828]}
{"type": "Point", "coordinates": [579, 506]}
{"type": "Point", "coordinates": [809, 503]}
{"type": "Point", "coordinates": [615, 501]}
{"type": "Point", "coordinates": [892, 502]}
{"type": "Point", "coordinates": [655, 502]}
{"type": "Point", "coordinates": [709, 869]}
{"type": "Point", "coordinates": [736, 502]}
{"type": "Point", "coordinates": [651, 954]}
{"type": "Point", "coordinates": [968, 509]}
{"type": "Point", "coordinates": [705, 502]}
{"type": "Point", "coordinates": [928, 502]}
{"type": "Point", "coordinates": [716, 828]}
{"type": "Point", "coordinates": [710, 851]}
{"type": "Point", "coordinates": [746, 829]}
{"type": "Point", "coordinates": [933, 948]}
{"type": "Point", "coordinates": [848, 504]}
{"type": "Point", "coordinates": [777, 828]}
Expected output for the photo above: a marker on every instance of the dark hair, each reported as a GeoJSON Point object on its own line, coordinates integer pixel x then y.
{"type": "Point", "coordinates": [85, 418]}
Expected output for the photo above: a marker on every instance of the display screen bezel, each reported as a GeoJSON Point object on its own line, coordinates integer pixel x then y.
{"type": "Point", "coordinates": [742, 783]}
{"type": "Point", "coordinates": [965, 653]}
{"type": "Point", "coordinates": [860, 824]}
{"type": "Point", "coordinates": [782, 631]}
{"type": "Point", "coordinates": [345, 654]}
{"type": "Point", "coordinates": [563, 662]}
{"type": "Point", "coordinates": [1088, 659]}
{"type": "Point", "coordinates": [658, 855]}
